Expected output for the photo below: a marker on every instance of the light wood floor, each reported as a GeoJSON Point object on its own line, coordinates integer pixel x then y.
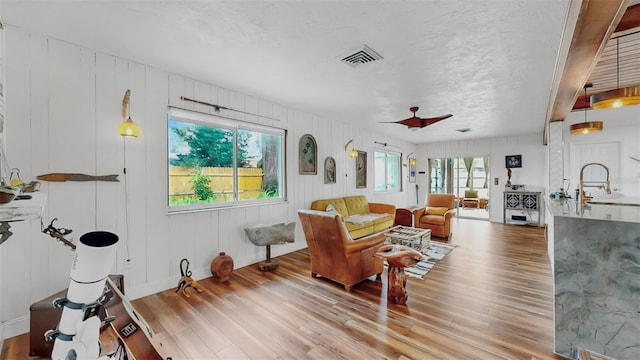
{"type": "Point", "coordinates": [490, 298]}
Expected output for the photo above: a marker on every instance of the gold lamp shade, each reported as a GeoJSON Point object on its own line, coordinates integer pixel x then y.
{"type": "Point", "coordinates": [586, 127]}
{"type": "Point", "coordinates": [616, 98]}
{"type": "Point", "coordinates": [129, 129]}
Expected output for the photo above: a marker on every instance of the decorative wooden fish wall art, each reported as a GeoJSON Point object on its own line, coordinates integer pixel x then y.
{"type": "Point", "coordinates": [60, 177]}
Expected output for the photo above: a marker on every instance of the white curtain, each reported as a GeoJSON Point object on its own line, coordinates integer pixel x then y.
{"type": "Point", "coordinates": [485, 160]}
{"type": "Point", "coordinates": [468, 162]}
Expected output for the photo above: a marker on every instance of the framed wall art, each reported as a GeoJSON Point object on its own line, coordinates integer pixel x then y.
{"type": "Point", "coordinates": [513, 161]}
{"type": "Point", "coordinates": [361, 170]}
{"type": "Point", "coordinates": [412, 170]}
{"type": "Point", "coordinates": [308, 155]}
{"type": "Point", "coordinates": [329, 170]}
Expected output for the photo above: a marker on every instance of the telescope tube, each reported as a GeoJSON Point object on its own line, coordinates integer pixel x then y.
{"type": "Point", "coordinates": [92, 263]}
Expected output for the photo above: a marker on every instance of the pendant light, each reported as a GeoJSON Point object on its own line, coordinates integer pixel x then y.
{"type": "Point", "coordinates": [617, 97]}
{"type": "Point", "coordinates": [586, 127]}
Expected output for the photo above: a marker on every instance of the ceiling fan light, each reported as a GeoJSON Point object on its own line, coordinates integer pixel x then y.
{"type": "Point", "coordinates": [586, 127]}
{"type": "Point", "coordinates": [616, 98]}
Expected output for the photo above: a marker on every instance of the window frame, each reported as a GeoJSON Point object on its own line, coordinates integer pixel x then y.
{"type": "Point", "coordinates": [226, 123]}
{"type": "Point", "coordinates": [386, 167]}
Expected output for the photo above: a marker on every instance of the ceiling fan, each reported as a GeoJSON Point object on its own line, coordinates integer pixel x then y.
{"type": "Point", "coordinates": [418, 122]}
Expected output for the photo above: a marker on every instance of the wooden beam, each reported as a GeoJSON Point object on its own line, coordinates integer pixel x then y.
{"type": "Point", "coordinates": [582, 102]}
{"type": "Point", "coordinates": [629, 23]}
{"type": "Point", "coordinates": [596, 22]}
{"type": "Point", "coordinates": [630, 19]}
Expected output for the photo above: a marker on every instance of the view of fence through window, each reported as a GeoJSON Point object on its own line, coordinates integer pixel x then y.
{"type": "Point", "coordinates": [218, 162]}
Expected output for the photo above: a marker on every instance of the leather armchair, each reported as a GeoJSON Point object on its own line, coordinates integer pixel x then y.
{"type": "Point", "coordinates": [334, 255]}
{"type": "Point", "coordinates": [436, 215]}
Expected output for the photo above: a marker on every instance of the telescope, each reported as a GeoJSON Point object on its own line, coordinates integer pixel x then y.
{"type": "Point", "coordinates": [78, 332]}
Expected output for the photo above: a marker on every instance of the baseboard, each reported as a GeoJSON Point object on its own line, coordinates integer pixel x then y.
{"type": "Point", "coordinates": [15, 327]}
{"type": "Point", "coordinates": [136, 292]}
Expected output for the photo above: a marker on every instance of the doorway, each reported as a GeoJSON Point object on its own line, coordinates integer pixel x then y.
{"type": "Point", "coordinates": [465, 177]}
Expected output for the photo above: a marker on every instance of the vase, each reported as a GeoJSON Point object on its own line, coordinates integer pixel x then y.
{"type": "Point", "coordinates": [222, 267]}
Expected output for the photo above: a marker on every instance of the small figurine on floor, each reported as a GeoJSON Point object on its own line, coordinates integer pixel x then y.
{"type": "Point", "coordinates": [185, 280]}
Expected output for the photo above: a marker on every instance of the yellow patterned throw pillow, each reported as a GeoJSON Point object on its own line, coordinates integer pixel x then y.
{"type": "Point", "coordinates": [436, 210]}
{"type": "Point", "coordinates": [470, 194]}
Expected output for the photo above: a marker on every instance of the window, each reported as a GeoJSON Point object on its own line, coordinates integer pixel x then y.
{"type": "Point", "coordinates": [455, 175]}
{"type": "Point", "coordinates": [215, 162]}
{"type": "Point", "coordinates": [387, 170]}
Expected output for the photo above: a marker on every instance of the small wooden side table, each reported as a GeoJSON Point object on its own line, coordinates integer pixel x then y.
{"type": "Point", "coordinates": [398, 257]}
{"type": "Point", "coordinates": [404, 217]}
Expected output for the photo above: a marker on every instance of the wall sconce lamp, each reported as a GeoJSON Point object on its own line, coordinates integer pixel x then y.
{"type": "Point", "coordinates": [412, 171]}
{"type": "Point", "coordinates": [617, 97]}
{"type": "Point", "coordinates": [586, 127]}
{"type": "Point", "coordinates": [353, 153]}
{"type": "Point", "coordinates": [128, 128]}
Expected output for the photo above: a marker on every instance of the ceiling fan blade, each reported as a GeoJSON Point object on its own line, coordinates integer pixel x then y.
{"type": "Point", "coordinates": [429, 121]}
{"type": "Point", "coordinates": [410, 122]}
{"type": "Point", "coordinates": [416, 122]}
{"type": "Point", "coordinates": [413, 122]}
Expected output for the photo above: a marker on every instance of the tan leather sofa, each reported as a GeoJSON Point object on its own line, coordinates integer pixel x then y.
{"type": "Point", "coordinates": [361, 217]}
{"type": "Point", "coordinates": [436, 215]}
{"type": "Point", "coordinates": [334, 254]}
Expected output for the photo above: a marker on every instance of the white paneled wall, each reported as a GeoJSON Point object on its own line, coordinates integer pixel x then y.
{"type": "Point", "coordinates": [555, 156]}
{"type": "Point", "coordinates": [63, 108]}
{"type": "Point", "coordinates": [621, 126]}
{"type": "Point", "coordinates": [531, 173]}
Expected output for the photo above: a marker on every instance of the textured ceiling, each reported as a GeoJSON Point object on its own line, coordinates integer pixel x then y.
{"type": "Point", "coordinates": [490, 63]}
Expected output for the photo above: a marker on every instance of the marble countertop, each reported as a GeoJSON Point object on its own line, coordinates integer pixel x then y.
{"type": "Point", "coordinates": [568, 208]}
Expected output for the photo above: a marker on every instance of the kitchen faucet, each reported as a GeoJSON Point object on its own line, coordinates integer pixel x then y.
{"type": "Point", "coordinates": [600, 184]}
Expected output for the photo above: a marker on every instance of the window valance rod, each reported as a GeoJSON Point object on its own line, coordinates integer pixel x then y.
{"type": "Point", "coordinates": [384, 144]}
{"type": "Point", "coordinates": [217, 108]}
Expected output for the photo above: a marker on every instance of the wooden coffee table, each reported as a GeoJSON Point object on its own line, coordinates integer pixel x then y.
{"type": "Point", "coordinates": [417, 239]}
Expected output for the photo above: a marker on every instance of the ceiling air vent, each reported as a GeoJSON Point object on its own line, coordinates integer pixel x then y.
{"type": "Point", "coordinates": [361, 55]}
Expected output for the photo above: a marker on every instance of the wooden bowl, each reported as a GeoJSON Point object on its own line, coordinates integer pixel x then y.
{"type": "Point", "coordinates": [6, 195]}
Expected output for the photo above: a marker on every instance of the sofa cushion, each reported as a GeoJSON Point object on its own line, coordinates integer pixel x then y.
{"type": "Point", "coordinates": [383, 219]}
{"type": "Point", "coordinates": [357, 204]}
{"type": "Point", "coordinates": [432, 219]}
{"type": "Point", "coordinates": [338, 204]}
{"type": "Point", "coordinates": [352, 225]}
{"type": "Point", "coordinates": [360, 217]}
{"type": "Point", "coordinates": [430, 210]}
